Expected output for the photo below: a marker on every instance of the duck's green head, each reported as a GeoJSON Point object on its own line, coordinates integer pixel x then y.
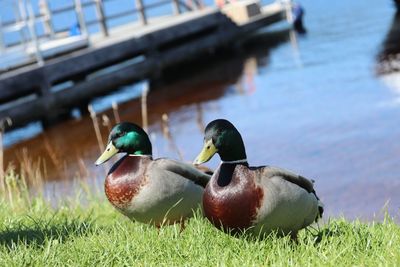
{"type": "Point", "coordinates": [126, 138]}
{"type": "Point", "coordinates": [223, 138]}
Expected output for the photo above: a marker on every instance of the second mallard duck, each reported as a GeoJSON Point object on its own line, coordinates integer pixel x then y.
{"type": "Point", "coordinates": [256, 199]}
{"type": "Point", "coordinates": [157, 192]}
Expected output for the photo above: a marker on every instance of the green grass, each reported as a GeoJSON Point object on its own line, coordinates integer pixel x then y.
{"type": "Point", "coordinates": [95, 234]}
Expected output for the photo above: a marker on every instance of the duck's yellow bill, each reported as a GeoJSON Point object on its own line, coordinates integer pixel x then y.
{"type": "Point", "coordinates": [206, 153]}
{"type": "Point", "coordinates": [108, 153]}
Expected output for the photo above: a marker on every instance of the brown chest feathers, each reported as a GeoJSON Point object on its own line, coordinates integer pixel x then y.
{"type": "Point", "coordinates": [125, 179]}
{"type": "Point", "coordinates": [231, 199]}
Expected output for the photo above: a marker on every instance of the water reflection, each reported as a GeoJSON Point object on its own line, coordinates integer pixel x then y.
{"type": "Point", "coordinates": [68, 150]}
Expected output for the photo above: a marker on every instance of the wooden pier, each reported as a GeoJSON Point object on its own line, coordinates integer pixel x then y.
{"type": "Point", "coordinates": [122, 55]}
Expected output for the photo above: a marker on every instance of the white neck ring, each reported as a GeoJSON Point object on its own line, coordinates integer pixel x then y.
{"type": "Point", "coordinates": [143, 156]}
{"type": "Point", "coordinates": [234, 161]}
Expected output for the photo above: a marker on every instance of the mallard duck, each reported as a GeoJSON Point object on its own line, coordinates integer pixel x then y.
{"type": "Point", "coordinates": [157, 192]}
{"type": "Point", "coordinates": [256, 200]}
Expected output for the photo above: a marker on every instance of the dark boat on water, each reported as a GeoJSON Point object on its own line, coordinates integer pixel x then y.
{"type": "Point", "coordinates": [389, 55]}
{"type": "Point", "coordinates": [388, 59]}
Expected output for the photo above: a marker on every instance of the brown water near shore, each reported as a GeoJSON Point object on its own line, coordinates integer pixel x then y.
{"type": "Point", "coordinates": [73, 143]}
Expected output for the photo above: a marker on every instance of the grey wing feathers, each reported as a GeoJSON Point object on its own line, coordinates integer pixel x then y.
{"type": "Point", "coordinates": [290, 176]}
{"type": "Point", "coordinates": [301, 181]}
{"type": "Point", "coordinates": [185, 170]}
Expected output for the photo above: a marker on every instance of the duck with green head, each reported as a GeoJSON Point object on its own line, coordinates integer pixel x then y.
{"type": "Point", "coordinates": [253, 199]}
{"type": "Point", "coordinates": [160, 191]}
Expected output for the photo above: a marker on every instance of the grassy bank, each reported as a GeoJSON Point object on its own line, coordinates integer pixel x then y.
{"type": "Point", "coordinates": [87, 231]}
{"type": "Point", "coordinates": [36, 234]}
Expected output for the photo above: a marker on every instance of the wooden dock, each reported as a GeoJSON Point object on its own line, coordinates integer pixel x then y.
{"type": "Point", "coordinates": [127, 53]}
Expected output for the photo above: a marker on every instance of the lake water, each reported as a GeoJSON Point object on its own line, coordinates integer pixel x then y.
{"type": "Point", "coordinates": [315, 106]}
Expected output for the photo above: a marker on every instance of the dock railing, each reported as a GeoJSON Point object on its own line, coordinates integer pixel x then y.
{"type": "Point", "coordinates": [34, 24]}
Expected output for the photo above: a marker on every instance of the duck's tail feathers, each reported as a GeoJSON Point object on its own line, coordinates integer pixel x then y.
{"type": "Point", "coordinates": [319, 203]}
{"type": "Point", "coordinates": [320, 209]}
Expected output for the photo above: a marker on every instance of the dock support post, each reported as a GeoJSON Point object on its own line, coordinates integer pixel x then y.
{"type": "Point", "coordinates": [81, 18]}
{"type": "Point", "coordinates": [101, 17]}
{"type": "Point", "coordinates": [31, 24]}
{"type": "Point", "coordinates": [53, 114]}
{"type": "Point", "coordinates": [45, 12]}
{"type": "Point", "coordinates": [142, 13]}
{"type": "Point", "coordinates": [20, 13]}
{"type": "Point", "coordinates": [176, 6]}
{"type": "Point", "coordinates": [198, 4]}
{"type": "Point", "coordinates": [44, 93]}
{"type": "Point", "coordinates": [19, 17]}
{"type": "Point", "coordinates": [83, 108]}
{"type": "Point", "coordinates": [288, 8]}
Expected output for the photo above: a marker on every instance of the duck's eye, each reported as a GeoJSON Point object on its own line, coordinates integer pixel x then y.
{"type": "Point", "coordinates": [120, 134]}
{"type": "Point", "coordinates": [208, 147]}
